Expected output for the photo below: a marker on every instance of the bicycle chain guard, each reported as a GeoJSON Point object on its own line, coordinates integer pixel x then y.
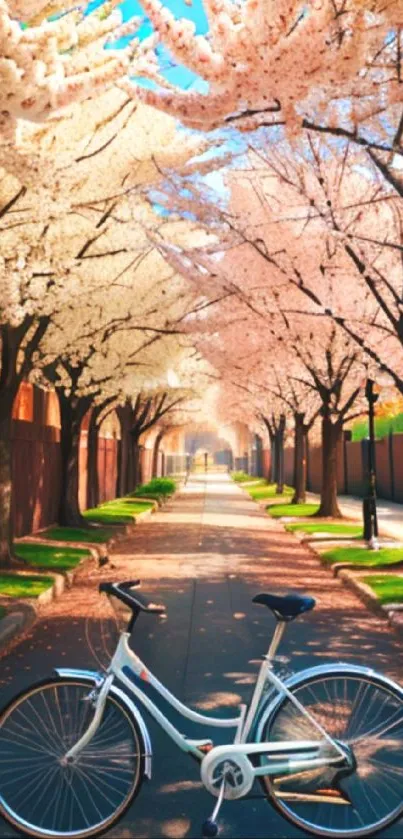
{"type": "Point", "coordinates": [235, 768]}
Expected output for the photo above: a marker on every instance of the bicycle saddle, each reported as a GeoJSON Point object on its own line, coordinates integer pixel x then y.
{"type": "Point", "coordinates": [285, 608]}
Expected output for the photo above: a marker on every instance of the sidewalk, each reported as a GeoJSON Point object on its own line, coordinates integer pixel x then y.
{"type": "Point", "coordinates": [205, 556]}
{"type": "Point", "coordinates": [390, 515]}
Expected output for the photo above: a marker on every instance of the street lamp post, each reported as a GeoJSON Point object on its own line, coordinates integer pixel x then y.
{"type": "Point", "coordinates": [369, 503]}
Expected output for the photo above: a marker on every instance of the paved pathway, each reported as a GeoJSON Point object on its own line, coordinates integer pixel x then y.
{"type": "Point", "coordinates": [205, 555]}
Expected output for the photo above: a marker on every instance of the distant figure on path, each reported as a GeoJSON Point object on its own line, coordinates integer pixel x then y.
{"type": "Point", "coordinates": [205, 461]}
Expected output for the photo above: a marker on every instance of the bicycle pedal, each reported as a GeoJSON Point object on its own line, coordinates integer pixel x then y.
{"type": "Point", "coordinates": [209, 829]}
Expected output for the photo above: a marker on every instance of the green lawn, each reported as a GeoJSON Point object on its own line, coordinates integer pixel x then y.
{"type": "Point", "coordinates": [264, 490]}
{"type": "Point", "coordinates": [119, 511]}
{"type": "Point", "coordinates": [23, 586]}
{"type": "Point", "coordinates": [47, 556]}
{"type": "Point", "coordinates": [387, 587]}
{"type": "Point", "coordinates": [297, 510]}
{"type": "Point", "coordinates": [362, 556]}
{"type": "Point", "coordinates": [79, 534]}
{"type": "Point", "coordinates": [354, 530]}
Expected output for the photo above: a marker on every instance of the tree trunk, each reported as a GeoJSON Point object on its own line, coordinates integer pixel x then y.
{"type": "Point", "coordinates": [92, 462]}
{"type": "Point", "coordinates": [271, 477]}
{"type": "Point", "coordinates": [300, 450]}
{"type": "Point", "coordinates": [72, 411]}
{"type": "Point", "coordinates": [331, 435]}
{"type": "Point", "coordinates": [280, 455]}
{"type": "Point", "coordinates": [6, 523]}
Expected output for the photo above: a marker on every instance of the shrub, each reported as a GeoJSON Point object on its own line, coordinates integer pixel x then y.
{"type": "Point", "coordinates": [156, 488]}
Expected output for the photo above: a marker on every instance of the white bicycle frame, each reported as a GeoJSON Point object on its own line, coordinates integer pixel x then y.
{"type": "Point", "coordinates": [285, 757]}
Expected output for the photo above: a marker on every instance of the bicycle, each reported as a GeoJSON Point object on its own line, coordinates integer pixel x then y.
{"type": "Point", "coordinates": [326, 744]}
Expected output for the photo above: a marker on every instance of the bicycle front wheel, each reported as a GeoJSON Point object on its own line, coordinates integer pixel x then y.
{"type": "Point", "coordinates": [41, 796]}
{"type": "Point", "coordinates": [366, 714]}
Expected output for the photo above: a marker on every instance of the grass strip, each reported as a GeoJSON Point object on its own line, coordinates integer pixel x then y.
{"type": "Point", "coordinates": [97, 535]}
{"type": "Point", "coordinates": [354, 530]}
{"type": "Point", "coordinates": [119, 511]}
{"type": "Point", "coordinates": [242, 477]}
{"type": "Point", "coordinates": [387, 587]}
{"type": "Point", "coordinates": [277, 511]}
{"type": "Point", "coordinates": [48, 556]}
{"type": "Point", "coordinates": [23, 585]}
{"type": "Point", "coordinates": [266, 490]}
{"type": "Point", "coordinates": [362, 556]}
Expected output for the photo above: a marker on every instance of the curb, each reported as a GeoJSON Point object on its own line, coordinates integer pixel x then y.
{"type": "Point", "coordinates": [15, 622]}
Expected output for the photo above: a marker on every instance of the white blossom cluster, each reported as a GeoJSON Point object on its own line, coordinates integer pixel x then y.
{"type": "Point", "coordinates": [52, 64]}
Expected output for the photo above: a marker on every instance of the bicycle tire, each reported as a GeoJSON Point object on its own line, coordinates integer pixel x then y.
{"type": "Point", "coordinates": [32, 740]}
{"type": "Point", "coordinates": [328, 814]}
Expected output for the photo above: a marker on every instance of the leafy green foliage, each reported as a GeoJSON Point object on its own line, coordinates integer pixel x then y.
{"type": "Point", "coordinates": [13, 585]}
{"type": "Point", "coordinates": [3, 612]}
{"type": "Point", "coordinates": [277, 511]}
{"type": "Point", "coordinates": [48, 556]}
{"type": "Point", "coordinates": [387, 587]}
{"type": "Point", "coordinates": [383, 427]}
{"type": "Point", "coordinates": [363, 556]}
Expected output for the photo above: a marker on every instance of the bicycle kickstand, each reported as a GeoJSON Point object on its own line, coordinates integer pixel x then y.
{"type": "Point", "coordinates": [210, 826]}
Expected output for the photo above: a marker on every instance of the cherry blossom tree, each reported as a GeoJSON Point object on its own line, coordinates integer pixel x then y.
{"type": "Point", "coordinates": [260, 263]}
{"type": "Point", "coordinates": [116, 344]}
{"type": "Point", "coordinates": [356, 218]}
{"type": "Point", "coordinates": [74, 232]}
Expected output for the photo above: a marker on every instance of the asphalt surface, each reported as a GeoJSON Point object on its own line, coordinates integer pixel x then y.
{"type": "Point", "coordinates": [205, 556]}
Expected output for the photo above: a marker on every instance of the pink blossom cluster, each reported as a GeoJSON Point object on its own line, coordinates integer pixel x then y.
{"type": "Point", "coordinates": [263, 59]}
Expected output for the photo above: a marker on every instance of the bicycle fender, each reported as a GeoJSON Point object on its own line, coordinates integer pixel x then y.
{"type": "Point", "coordinates": [93, 677]}
{"type": "Point", "coordinates": [270, 703]}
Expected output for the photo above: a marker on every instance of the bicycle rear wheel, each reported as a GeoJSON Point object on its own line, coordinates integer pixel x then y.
{"type": "Point", "coordinates": [42, 797]}
{"type": "Point", "coordinates": [367, 715]}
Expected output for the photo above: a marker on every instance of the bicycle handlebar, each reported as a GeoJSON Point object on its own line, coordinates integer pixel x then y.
{"type": "Point", "coordinates": [136, 602]}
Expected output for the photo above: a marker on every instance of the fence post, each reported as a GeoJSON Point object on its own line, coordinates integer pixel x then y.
{"type": "Point", "coordinates": [391, 466]}
{"type": "Point", "coordinates": [347, 435]}
{"type": "Point", "coordinates": [364, 466]}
